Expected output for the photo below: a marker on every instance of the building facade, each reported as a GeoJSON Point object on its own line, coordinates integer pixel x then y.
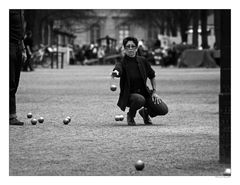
{"type": "Point", "coordinates": [104, 22]}
{"type": "Point", "coordinates": [114, 23]}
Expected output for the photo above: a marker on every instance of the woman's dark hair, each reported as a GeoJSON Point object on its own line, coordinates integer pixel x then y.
{"type": "Point", "coordinates": [135, 41]}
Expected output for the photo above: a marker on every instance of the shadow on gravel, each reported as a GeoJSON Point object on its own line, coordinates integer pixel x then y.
{"type": "Point", "coordinates": [138, 125]}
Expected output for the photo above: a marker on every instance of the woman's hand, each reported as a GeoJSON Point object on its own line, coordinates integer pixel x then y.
{"type": "Point", "coordinates": [115, 73]}
{"type": "Point", "coordinates": [156, 99]}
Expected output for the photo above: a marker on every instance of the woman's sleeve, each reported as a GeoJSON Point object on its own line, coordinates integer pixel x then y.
{"type": "Point", "coordinates": [118, 67]}
{"type": "Point", "coordinates": [149, 70]}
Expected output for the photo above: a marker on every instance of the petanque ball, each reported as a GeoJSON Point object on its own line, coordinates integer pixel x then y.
{"type": "Point", "coordinates": [121, 118]}
{"type": "Point", "coordinates": [139, 165]}
{"type": "Point", "coordinates": [69, 118]}
{"type": "Point", "coordinates": [34, 121]}
{"type": "Point", "coordinates": [113, 87]}
{"type": "Point", "coordinates": [117, 118]}
{"type": "Point", "coordinates": [41, 120]}
{"type": "Point", "coordinates": [29, 115]}
{"type": "Point", "coordinates": [66, 121]}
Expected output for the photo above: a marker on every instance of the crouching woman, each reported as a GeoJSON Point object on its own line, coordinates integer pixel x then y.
{"type": "Point", "coordinates": [133, 71]}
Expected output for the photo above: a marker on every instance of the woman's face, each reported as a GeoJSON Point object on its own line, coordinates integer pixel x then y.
{"type": "Point", "coordinates": [130, 49]}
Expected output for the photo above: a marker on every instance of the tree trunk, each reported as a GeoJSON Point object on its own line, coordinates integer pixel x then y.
{"type": "Point", "coordinates": [173, 27]}
{"type": "Point", "coordinates": [195, 28]}
{"type": "Point", "coordinates": [32, 24]}
{"type": "Point", "coordinates": [29, 16]}
{"type": "Point", "coordinates": [168, 30]}
{"type": "Point", "coordinates": [204, 29]}
{"type": "Point", "coordinates": [217, 30]}
{"type": "Point", "coordinates": [33, 19]}
{"type": "Point", "coordinates": [162, 30]}
{"type": "Point", "coordinates": [183, 30]}
{"type": "Point", "coordinates": [183, 17]}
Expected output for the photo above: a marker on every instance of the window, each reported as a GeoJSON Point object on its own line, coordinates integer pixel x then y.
{"type": "Point", "coordinates": [61, 40]}
{"type": "Point", "coordinates": [95, 33]}
{"type": "Point", "coordinates": [123, 32]}
{"type": "Point", "coordinates": [152, 33]}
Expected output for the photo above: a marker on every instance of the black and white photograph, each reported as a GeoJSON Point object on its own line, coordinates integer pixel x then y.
{"type": "Point", "coordinates": [119, 92]}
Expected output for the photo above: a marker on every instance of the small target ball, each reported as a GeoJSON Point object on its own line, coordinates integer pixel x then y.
{"type": "Point", "coordinates": [113, 87]}
{"type": "Point", "coordinates": [139, 165]}
{"type": "Point", "coordinates": [66, 121]}
{"type": "Point", "coordinates": [29, 115]}
{"type": "Point", "coordinates": [41, 120]}
{"type": "Point", "coordinates": [34, 121]}
{"type": "Point", "coordinates": [227, 172]}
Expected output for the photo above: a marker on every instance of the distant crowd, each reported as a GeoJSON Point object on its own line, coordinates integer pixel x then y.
{"type": "Point", "coordinates": [159, 54]}
{"type": "Point", "coordinates": [163, 54]}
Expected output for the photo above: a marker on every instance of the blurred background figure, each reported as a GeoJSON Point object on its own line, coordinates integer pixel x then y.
{"type": "Point", "coordinates": [172, 54]}
{"type": "Point", "coordinates": [101, 54]}
{"type": "Point", "coordinates": [28, 42]}
{"type": "Point", "coordinates": [157, 44]}
{"type": "Point", "coordinates": [142, 49]}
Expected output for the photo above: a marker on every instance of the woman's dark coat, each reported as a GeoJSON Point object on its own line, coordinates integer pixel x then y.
{"type": "Point", "coordinates": [146, 72]}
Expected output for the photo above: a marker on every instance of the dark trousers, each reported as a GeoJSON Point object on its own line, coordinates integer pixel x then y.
{"type": "Point", "coordinates": [136, 101]}
{"type": "Point", "coordinates": [14, 72]}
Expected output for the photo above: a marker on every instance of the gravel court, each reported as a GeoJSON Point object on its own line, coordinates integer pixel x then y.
{"type": "Point", "coordinates": [182, 143]}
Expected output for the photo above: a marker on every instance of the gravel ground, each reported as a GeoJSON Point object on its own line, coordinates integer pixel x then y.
{"type": "Point", "coordinates": [182, 143]}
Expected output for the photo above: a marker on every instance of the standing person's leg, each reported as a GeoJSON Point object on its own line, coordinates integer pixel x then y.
{"type": "Point", "coordinates": [12, 83]}
{"type": "Point", "coordinates": [14, 72]}
{"type": "Point", "coordinates": [136, 101]}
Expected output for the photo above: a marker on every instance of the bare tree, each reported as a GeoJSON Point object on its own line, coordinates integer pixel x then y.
{"type": "Point", "coordinates": [38, 19]}
{"type": "Point", "coordinates": [168, 21]}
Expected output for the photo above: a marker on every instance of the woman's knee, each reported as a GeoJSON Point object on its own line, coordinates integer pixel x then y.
{"type": "Point", "coordinates": [141, 100]}
{"type": "Point", "coordinates": [164, 109]}
{"type": "Point", "coordinates": [158, 109]}
{"type": "Point", "coordinates": [138, 100]}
